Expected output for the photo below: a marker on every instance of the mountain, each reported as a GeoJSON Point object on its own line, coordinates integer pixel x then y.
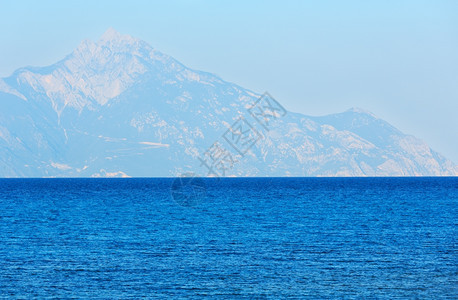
{"type": "Point", "coordinates": [119, 107]}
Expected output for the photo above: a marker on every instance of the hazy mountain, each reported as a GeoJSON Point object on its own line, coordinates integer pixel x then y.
{"type": "Point", "coordinates": [118, 107]}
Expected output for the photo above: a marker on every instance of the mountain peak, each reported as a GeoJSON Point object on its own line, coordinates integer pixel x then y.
{"type": "Point", "coordinates": [115, 42]}
{"type": "Point", "coordinates": [113, 37]}
{"type": "Point", "coordinates": [358, 110]}
{"type": "Point", "coordinates": [361, 111]}
{"type": "Point", "coordinates": [111, 34]}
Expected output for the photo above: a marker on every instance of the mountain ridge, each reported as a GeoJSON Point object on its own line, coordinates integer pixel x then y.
{"type": "Point", "coordinates": [140, 112]}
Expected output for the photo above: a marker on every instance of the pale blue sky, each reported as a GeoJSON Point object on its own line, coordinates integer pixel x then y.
{"type": "Point", "coordinates": [398, 59]}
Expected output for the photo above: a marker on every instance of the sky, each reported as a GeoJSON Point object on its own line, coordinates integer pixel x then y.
{"type": "Point", "coordinates": [397, 59]}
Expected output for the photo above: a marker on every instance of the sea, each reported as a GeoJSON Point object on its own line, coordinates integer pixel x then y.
{"type": "Point", "coordinates": [229, 238]}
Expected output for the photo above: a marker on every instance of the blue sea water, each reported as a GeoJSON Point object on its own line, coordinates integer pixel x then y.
{"type": "Point", "coordinates": [242, 238]}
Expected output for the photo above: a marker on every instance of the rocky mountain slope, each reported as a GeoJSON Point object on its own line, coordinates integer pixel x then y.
{"type": "Point", "coordinates": [118, 107]}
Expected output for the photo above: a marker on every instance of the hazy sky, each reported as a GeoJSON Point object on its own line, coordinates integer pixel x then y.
{"type": "Point", "coordinates": [397, 59]}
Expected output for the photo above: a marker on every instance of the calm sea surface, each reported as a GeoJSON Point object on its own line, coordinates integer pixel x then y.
{"type": "Point", "coordinates": [237, 238]}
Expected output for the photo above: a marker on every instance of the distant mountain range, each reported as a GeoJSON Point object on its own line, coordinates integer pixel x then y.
{"type": "Point", "coordinates": [118, 107]}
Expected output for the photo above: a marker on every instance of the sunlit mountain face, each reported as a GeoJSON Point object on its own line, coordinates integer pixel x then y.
{"type": "Point", "coordinates": [119, 107]}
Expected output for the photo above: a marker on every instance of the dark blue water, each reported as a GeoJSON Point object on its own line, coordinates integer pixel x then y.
{"type": "Point", "coordinates": [248, 238]}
